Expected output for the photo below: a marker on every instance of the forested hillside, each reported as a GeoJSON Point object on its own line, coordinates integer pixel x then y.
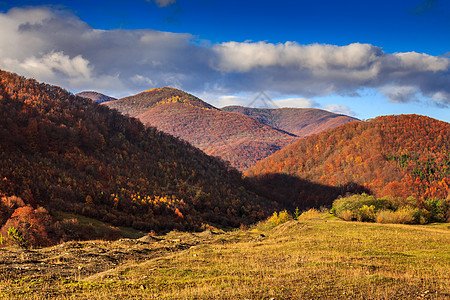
{"type": "Point", "coordinates": [234, 137]}
{"type": "Point", "coordinates": [398, 156]}
{"type": "Point", "coordinates": [67, 153]}
{"type": "Point", "coordinates": [299, 121]}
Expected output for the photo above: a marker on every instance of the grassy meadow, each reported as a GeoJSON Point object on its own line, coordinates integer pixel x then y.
{"type": "Point", "coordinates": [320, 258]}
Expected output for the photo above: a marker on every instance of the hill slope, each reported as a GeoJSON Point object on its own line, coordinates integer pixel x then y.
{"type": "Point", "coordinates": [234, 137]}
{"type": "Point", "coordinates": [95, 96]}
{"type": "Point", "coordinates": [68, 153]}
{"type": "Point", "coordinates": [299, 121]}
{"type": "Point", "coordinates": [399, 156]}
{"type": "Point", "coordinates": [308, 259]}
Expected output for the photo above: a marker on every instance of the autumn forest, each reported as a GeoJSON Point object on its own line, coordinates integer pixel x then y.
{"type": "Point", "coordinates": [134, 162]}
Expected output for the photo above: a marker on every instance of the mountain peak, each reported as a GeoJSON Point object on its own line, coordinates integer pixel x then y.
{"type": "Point", "coordinates": [137, 104]}
{"type": "Point", "coordinates": [299, 121]}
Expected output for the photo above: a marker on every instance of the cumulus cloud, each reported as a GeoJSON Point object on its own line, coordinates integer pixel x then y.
{"type": "Point", "coordinates": [296, 102]}
{"type": "Point", "coordinates": [313, 70]}
{"type": "Point", "coordinates": [59, 48]}
{"type": "Point", "coordinates": [339, 109]}
{"type": "Point", "coordinates": [401, 94]}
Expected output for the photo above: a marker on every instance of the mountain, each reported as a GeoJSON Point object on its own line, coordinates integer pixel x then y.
{"type": "Point", "coordinates": [95, 96]}
{"type": "Point", "coordinates": [396, 156]}
{"type": "Point", "coordinates": [299, 121]}
{"type": "Point", "coordinates": [234, 137]}
{"type": "Point", "coordinates": [66, 153]}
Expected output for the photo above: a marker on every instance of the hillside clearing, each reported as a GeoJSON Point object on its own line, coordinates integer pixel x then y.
{"type": "Point", "coordinates": [325, 259]}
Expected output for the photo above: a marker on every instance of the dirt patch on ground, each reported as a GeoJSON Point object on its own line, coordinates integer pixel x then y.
{"type": "Point", "coordinates": [79, 260]}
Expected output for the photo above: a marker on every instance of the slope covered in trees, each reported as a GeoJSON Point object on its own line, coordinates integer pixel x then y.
{"type": "Point", "coordinates": [67, 153]}
{"type": "Point", "coordinates": [234, 137]}
{"type": "Point", "coordinates": [398, 156]}
{"type": "Point", "coordinates": [95, 96]}
{"type": "Point", "coordinates": [299, 121]}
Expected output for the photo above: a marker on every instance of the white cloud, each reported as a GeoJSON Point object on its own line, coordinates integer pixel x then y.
{"type": "Point", "coordinates": [401, 94]}
{"type": "Point", "coordinates": [296, 102]}
{"type": "Point", "coordinates": [339, 109]}
{"type": "Point", "coordinates": [243, 57]}
{"type": "Point", "coordinates": [59, 48]}
{"type": "Point", "coordinates": [139, 79]}
{"type": "Point", "coordinates": [441, 99]}
{"type": "Point", "coordinates": [423, 62]}
{"type": "Point", "coordinates": [223, 100]}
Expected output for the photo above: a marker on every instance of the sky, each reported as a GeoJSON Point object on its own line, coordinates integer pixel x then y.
{"type": "Point", "coordinates": [361, 58]}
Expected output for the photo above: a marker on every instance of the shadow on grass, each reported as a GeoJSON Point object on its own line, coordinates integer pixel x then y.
{"type": "Point", "coordinates": [289, 192]}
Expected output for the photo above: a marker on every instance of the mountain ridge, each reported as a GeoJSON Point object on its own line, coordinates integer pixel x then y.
{"type": "Point", "coordinates": [68, 153]}
{"type": "Point", "coordinates": [234, 137]}
{"type": "Point", "coordinates": [395, 156]}
{"type": "Point", "coordinates": [299, 121]}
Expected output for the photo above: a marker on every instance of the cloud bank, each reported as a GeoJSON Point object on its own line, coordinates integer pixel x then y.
{"type": "Point", "coordinates": [59, 48]}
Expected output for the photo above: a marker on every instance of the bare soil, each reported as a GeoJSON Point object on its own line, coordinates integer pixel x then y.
{"type": "Point", "coordinates": [83, 259]}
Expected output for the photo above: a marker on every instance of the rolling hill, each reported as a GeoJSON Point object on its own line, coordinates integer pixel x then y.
{"type": "Point", "coordinates": [67, 153]}
{"type": "Point", "coordinates": [397, 156]}
{"type": "Point", "coordinates": [299, 121]}
{"type": "Point", "coordinates": [95, 96]}
{"type": "Point", "coordinates": [234, 137]}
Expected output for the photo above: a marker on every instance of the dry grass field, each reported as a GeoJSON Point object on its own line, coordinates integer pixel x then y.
{"type": "Point", "coordinates": [321, 258]}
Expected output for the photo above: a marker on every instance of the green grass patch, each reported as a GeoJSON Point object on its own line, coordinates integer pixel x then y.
{"type": "Point", "coordinates": [126, 232]}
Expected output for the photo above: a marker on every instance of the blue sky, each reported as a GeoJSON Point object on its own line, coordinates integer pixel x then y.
{"type": "Point", "coordinates": [356, 57]}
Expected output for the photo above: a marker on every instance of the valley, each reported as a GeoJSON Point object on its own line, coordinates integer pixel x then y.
{"type": "Point", "coordinates": [231, 133]}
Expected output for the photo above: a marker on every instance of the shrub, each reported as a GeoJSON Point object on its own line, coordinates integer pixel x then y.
{"type": "Point", "coordinates": [275, 220]}
{"type": "Point", "coordinates": [297, 213]}
{"type": "Point", "coordinates": [366, 213]}
{"type": "Point", "coordinates": [438, 209]}
{"type": "Point", "coordinates": [347, 215]}
{"type": "Point", "coordinates": [362, 207]}
{"type": "Point", "coordinates": [421, 216]}
{"type": "Point", "coordinates": [17, 238]}
{"type": "Point", "coordinates": [280, 218]}
{"type": "Point", "coordinates": [31, 225]}
{"type": "Point", "coordinates": [404, 215]}
{"type": "Point", "coordinates": [310, 214]}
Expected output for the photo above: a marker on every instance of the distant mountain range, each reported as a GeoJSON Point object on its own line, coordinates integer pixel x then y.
{"type": "Point", "coordinates": [242, 136]}
{"type": "Point", "coordinates": [95, 96]}
{"type": "Point", "coordinates": [234, 137]}
{"type": "Point", "coordinates": [299, 121]}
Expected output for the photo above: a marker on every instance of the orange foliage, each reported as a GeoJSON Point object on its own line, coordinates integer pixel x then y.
{"type": "Point", "coordinates": [69, 153]}
{"type": "Point", "coordinates": [399, 156]}
{"type": "Point", "coordinates": [234, 137]}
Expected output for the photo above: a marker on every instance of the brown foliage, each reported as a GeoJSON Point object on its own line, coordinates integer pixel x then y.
{"type": "Point", "coordinates": [68, 153]}
{"type": "Point", "coordinates": [299, 121]}
{"type": "Point", "coordinates": [34, 225]}
{"type": "Point", "coordinates": [234, 137]}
